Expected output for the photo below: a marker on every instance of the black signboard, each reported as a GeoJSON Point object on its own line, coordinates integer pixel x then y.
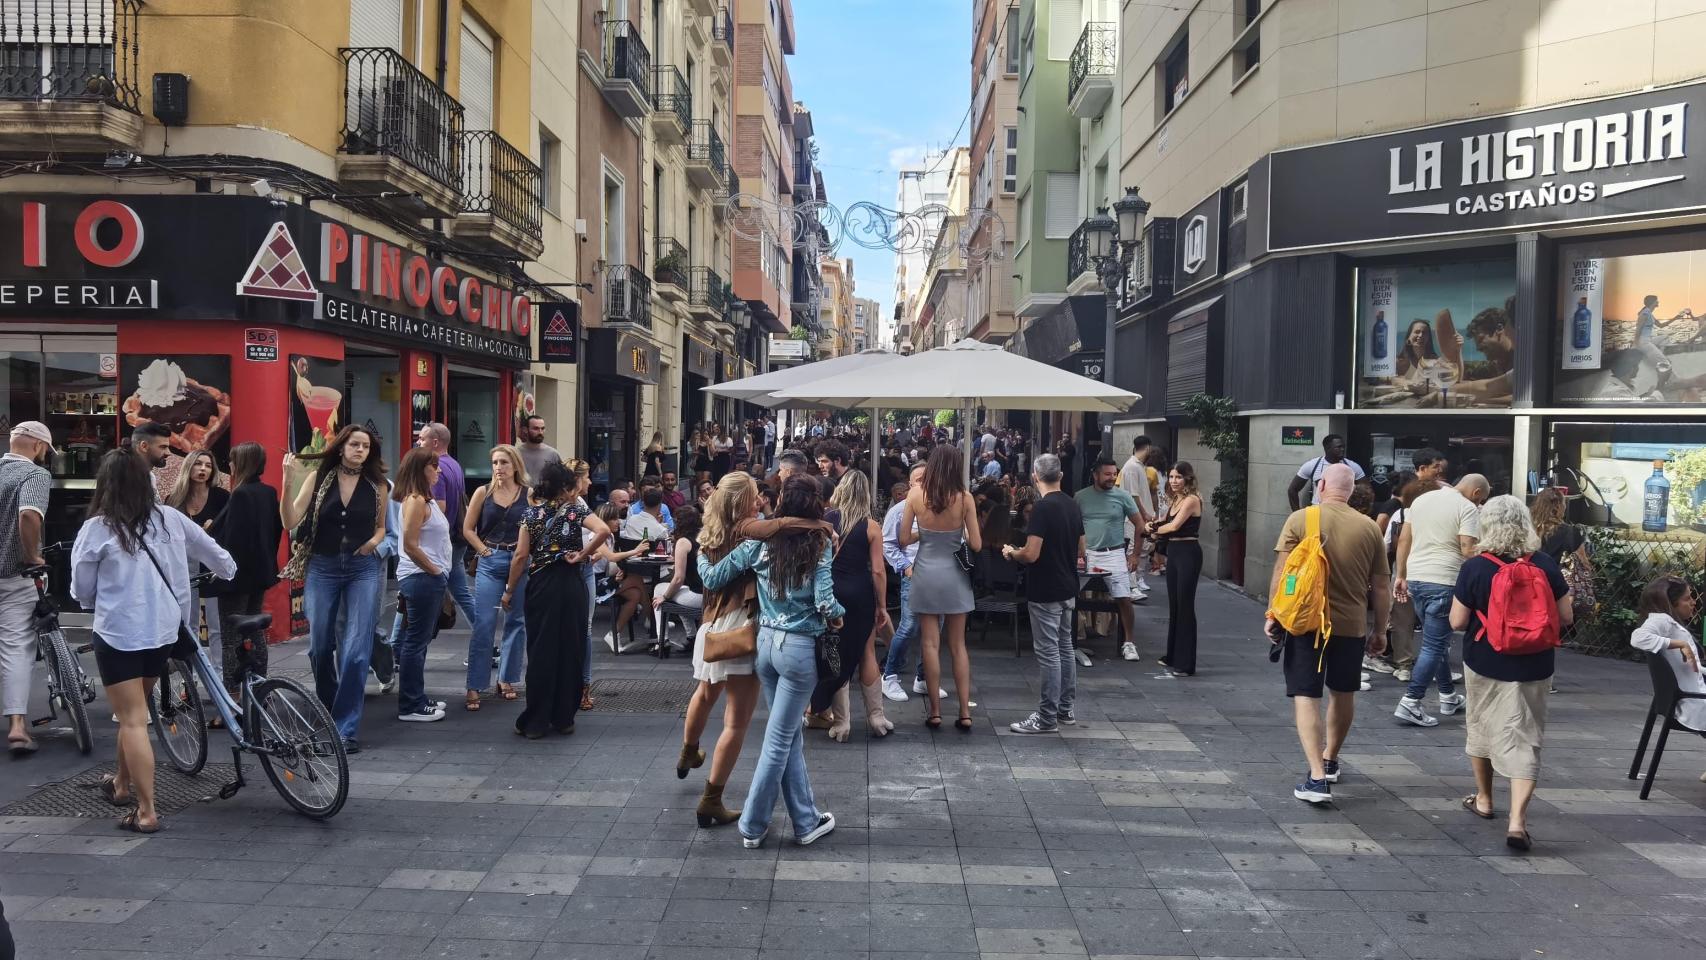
{"type": "Point", "coordinates": [701, 359]}
{"type": "Point", "coordinates": [559, 332]}
{"type": "Point", "coordinates": [1297, 436]}
{"type": "Point", "coordinates": [1089, 364]}
{"type": "Point", "coordinates": [1595, 160]}
{"type": "Point", "coordinates": [1196, 245]}
{"type": "Point", "coordinates": [624, 355]}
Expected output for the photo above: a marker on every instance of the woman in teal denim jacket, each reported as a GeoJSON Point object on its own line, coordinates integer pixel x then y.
{"type": "Point", "coordinates": [796, 603]}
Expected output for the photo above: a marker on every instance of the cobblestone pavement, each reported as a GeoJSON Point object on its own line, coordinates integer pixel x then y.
{"type": "Point", "coordinates": [1162, 825]}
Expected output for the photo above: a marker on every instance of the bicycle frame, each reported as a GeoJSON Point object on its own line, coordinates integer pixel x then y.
{"type": "Point", "coordinates": [229, 711]}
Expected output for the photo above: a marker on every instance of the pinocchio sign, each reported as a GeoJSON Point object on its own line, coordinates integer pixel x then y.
{"type": "Point", "coordinates": [365, 264]}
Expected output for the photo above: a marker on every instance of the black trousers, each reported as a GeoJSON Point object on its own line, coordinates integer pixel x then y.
{"type": "Point", "coordinates": [1184, 569]}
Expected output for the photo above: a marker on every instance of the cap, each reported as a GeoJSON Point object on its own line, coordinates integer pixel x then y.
{"type": "Point", "coordinates": [35, 430]}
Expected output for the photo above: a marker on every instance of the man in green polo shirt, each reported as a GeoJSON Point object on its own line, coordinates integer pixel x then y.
{"type": "Point", "coordinates": [1107, 509]}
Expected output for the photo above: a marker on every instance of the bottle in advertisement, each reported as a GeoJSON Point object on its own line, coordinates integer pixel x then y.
{"type": "Point", "coordinates": [1377, 340]}
{"type": "Point", "coordinates": [1655, 500]}
{"type": "Point", "coordinates": [1581, 326]}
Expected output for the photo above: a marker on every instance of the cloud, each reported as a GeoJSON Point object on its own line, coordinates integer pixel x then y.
{"type": "Point", "coordinates": [905, 156]}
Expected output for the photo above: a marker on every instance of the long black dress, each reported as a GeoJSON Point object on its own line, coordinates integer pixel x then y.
{"type": "Point", "coordinates": [556, 613]}
{"type": "Point", "coordinates": [851, 569]}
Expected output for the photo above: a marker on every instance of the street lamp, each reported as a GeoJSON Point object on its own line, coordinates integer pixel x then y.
{"type": "Point", "coordinates": [1109, 239]}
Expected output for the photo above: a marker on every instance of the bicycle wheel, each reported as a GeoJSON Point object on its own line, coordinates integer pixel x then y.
{"type": "Point", "coordinates": [68, 680]}
{"type": "Point", "coordinates": [180, 721]}
{"type": "Point", "coordinates": [302, 753]}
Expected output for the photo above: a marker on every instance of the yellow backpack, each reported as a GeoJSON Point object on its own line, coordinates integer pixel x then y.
{"type": "Point", "coordinates": [1300, 604]}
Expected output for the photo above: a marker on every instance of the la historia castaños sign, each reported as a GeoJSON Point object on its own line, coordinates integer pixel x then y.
{"type": "Point", "coordinates": [1618, 157]}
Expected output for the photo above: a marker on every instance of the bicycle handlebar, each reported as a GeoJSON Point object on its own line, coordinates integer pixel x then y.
{"type": "Point", "coordinates": [50, 550]}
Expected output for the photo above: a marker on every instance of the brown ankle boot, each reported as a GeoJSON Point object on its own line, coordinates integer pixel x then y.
{"type": "Point", "coordinates": [711, 811]}
{"type": "Point", "coordinates": [690, 759]}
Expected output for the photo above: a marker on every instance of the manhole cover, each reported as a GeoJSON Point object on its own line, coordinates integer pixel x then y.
{"type": "Point", "coordinates": [77, 797]}
{"type": "Point", "coordinates": [635, 695]}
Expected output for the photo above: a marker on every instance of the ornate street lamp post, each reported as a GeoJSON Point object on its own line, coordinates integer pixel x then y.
{"type": "Point", "coordinates": [1109, 241]}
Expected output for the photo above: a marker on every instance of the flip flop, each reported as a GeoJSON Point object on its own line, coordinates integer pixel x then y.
{"type": "Point", "coordinates": [108, 788]}
{"type": "Point", "coordinates": [130, 823]}
{"type": "Point", "coordinates": [22, 749]}
{"type": "Point", "coordinates": [1469, 805]}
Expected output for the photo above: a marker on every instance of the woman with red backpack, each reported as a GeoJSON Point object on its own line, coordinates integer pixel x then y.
{"type": "Point", "coordinates": [1511, 602]}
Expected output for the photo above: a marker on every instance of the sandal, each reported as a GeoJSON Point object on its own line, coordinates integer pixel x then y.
{"type": "Point", "coordinates": [130, 822]}
{"type": "Point", "coordinates": [587, 701]}
{"type": "Point", "coordinates": [1519, 841]}
{"type": "Point", "coordinates": [507, 691]}
{"type": "Point", "coordinates": [964, 724]}
{"type": "Point", "coordinates": [108, 789]}
{"type": "Point", "coordinates": [472, 704]}
{"type": "Point", "coordinates": [22, 748]}
{"type": "Point", "coordinates": [1469, 805]}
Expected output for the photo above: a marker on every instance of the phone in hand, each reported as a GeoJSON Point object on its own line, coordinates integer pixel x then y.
{"type": "Point", "coordinates": [1276, 641]}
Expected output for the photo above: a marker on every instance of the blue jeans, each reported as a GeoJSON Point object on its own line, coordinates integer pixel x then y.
{"type": "Point", "coordinates": [460, 590]}
{"type": "Point", "coordinates": [787, 670]}
{"type": "Point", "coordinates": [424, 596]}
{"type": "Point", "coordinates": [1057, 670]}
{"type": "Point", "coordinates": [490, 576]}
{"type": "Point", "coordinates": [1433, 608]}
{"type": "Point", "coordinates": [350, 583]}
{"type": "Point", "coordinates": [905, 632]}
{"type": "Point", "coordinates": [591, 577]}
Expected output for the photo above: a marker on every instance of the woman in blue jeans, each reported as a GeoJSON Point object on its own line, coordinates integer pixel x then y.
{"type": "Point", "coordinates": [796, 603]}
{"type": "Point", "coordinates": [490, 527]}
{"type": "Point", "coordinates": [423, 576]}
{"type": "Point", "coordinates": [338, 510]}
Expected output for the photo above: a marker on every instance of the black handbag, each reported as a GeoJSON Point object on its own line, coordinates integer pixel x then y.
{"type": "Point", "coordinates": [829, 654]}
{"type": "Point", "coordinates": [967, 559]}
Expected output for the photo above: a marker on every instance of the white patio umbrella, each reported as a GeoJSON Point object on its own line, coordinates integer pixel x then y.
{"type": "Point", "coordinates": [762, 389]}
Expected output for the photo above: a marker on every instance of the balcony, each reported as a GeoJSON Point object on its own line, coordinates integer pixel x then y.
{"type": "Point", "coordinates": [707, 165]}
{"type": "Point", "coordinates": [503, 201]}
{"type": "Point", "coordinates": [671, 270]}
{"type": "Point", "coordinates": [401, 132]}
{"type": "Point", "coordinates": [627, 64]}
{"type": "Point", "coordinates": [708, 296]}
{"type": "Point", "coordinates": [1081, 275]}
{"type": "Point", "coordinates": [672, 102]}
{"type": "Point", "coordinates": [1091, 74]}
{"type": "Point", "coordinates": [68, 75]}
{"type": "Point", "coordinates": [702, 8]}
{"type": "Point", "coordinates": [727, 194]}
{"type": "Point", "coordinates": [627, 297]}
{"type": "Point", "coordinates": [723, 37]}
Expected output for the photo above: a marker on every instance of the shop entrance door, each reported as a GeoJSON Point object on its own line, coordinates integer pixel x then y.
{"type": "Point", "coordinates": [1384, 445]}
{"type": "Point", "coordinates": [473, 421]}
{"type": "Point", "coordinates": [610, 408]}
{"type": "Point", "coordinates": [373, 382]}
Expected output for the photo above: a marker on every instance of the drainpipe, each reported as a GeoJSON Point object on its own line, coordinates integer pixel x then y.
{"type": "Point", "coordinates": [443, 65]}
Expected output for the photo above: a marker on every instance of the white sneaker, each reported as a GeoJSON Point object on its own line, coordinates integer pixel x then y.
{"type": "Point", "coordinates": [372, 687]}
{"type": "Point", "coordinates": [753, 843]}
{"type": "Point", "coordinates": [1410, 711]}
{"type": "Point", "coordinates": [432, 714]}
{"type": "Point", "coordinates": [918, 686]}
{"type": "Point", "coordinates": [1083, 658]}
{"type": "Point", "coordinates": [892, 689]}
{"type": "Point", "coordinates": [1366, 687]}
{"type": "Point", "coordinates": [1366, 676]}
{"type": "Point", "coordinates": [390, 686]}
{"type": "Point", "coordinates": [1377, 665]}
{"type": "Point", "coordinates": [610, 641]}
{"type": "Point", "coordinates": [1450, 705]}
{"type": "Point", "coordinates": [1401, 674]}
{"type": "Point", "coordinates": [1143, 584]}
{"type": "Point", "coordinates": [1128, 651]}
{"type": "Point", "coordinates": [1456, 677]}
{"type": "Point", "coordinates": [825, 824]}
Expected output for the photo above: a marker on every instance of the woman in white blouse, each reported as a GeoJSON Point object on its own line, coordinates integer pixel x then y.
{"type": "Point", "coordinates": [130, 564]}
{"type": "Point", "coordinates": [1666, 605]}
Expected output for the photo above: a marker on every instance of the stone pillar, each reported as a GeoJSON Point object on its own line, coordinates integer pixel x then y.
{"type": "Point", "coordinates": [1272, 465]}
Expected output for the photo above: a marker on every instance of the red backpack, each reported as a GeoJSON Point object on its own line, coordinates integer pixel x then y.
{"type": "Point", "coordinates": [1522, 614]}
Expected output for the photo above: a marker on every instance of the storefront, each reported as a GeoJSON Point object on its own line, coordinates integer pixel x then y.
{"type": "Point", "coordinates": [231, 319]}
{"type": "Point", "coordinates": [619, 364]}
{"type": "Point", "coordinates": [699, 372]}
{"type": "Point", "coordinates": [1069, 336]}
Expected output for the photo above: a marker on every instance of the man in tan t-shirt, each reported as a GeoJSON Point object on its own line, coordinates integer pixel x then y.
{"type": "Point", "coordinates": [1356, 557]}
{"type": "Point", "coordinates": [1440, 531]}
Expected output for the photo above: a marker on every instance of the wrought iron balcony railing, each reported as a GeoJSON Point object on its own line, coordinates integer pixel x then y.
{"type": "Point", "coordinates": [707, 148]}
{"type": "Point", "coordinates": [723, 28]}
{"type": "Point", "coordinates": [670, 94]}
{"type": "Point", "coordinates": [709, 292]}
{"type": "Point", "coordinates": [627, 295]}
{"type": "Point", "coordinates": [70, 50]}
{"type": "Point", "coordinates": [671, 267]}
{"type": "Point", "coordinates": [499, 179]}
{"type": "Point", "coordinates": [1078, 253]}
{"type": "Point", "coordinates": [626, 57]}
{"type": "Point", "coordinates": [1095, 55]}
{"type": "Point", "coordinates": [393, 109]}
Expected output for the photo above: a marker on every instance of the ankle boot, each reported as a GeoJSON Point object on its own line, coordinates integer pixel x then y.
{"type": "Point", "coordinates": [874, 717]}
{"type": "Point", "coordinates": [690, 759]}
{"type": "Point", "coordinates": [842, 726]}
{"type": "Point", "coordinates": [711, 812]}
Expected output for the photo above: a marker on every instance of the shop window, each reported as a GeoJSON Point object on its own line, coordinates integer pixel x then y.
{"type": "Point", "coordinates": [473, 421]}
{"type": "Point", "coordinates": [1626, 329]}
{"type": "Point", "coordinates": [1436, 335]}
{"type": "Point", "coordinates": [1645, 477]}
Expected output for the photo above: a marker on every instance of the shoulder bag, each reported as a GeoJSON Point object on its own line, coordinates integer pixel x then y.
{"type": "Point", "coordinates": [732, 631]}
{"type": "Point", "coordinates": [185, 646]}
{"type": "Point", "coordinates": [302, 547]}
{"type": "Point", "coordinates": [963, 553]}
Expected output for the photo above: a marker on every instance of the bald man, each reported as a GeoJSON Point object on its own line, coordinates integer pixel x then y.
{"type": "Point", "coordinates": [1356, 556]}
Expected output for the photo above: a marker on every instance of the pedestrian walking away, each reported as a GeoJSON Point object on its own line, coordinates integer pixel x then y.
{"type": "Point", "coordinates": [492, 528]}
{"type": "Point", "coordinates": [1054, 543]}
{"type": "Point", "coordinates": [249, 530]}
{"type": "Point", "coordinates": [1106, 510]}
{"type": "Point", "coordinates": [1329, 560]}
{"type": "Point", "coordinates": [1176, 534]}
{"type": "Point", "coordinates": [945, 517]}
{"type": "Point", "coordinates": [1440, 531]}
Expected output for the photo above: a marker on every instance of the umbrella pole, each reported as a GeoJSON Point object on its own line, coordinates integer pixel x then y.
{"type": "Point", "coordinates": [876, 454]}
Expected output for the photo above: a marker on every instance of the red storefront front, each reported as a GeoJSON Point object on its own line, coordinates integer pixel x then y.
{"type": "Point", "coordinates": [233, 319]}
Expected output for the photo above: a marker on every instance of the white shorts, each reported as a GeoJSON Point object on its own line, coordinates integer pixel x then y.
{"type": "Point", "coordinates": [1118, 578]}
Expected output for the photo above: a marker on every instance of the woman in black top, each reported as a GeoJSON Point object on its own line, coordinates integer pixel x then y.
{"type": "Point", "coordinates": [653, 466]}
{"type": "Point", "coordinates": [491, 527]}
{"type": "Point", "coordinates": [861, 581]}
{"type": "Point", "coordinates": [200, 494]}
{"type": "Point", "coordinates": [249, 529]}
{"type": "Point", "coordinates": [1178, 530]}
{"type": "Point", "coordinates": [338, 515]}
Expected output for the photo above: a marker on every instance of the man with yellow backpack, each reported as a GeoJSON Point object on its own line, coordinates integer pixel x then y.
{"type": "Point", "coordinates": [1331, 560]}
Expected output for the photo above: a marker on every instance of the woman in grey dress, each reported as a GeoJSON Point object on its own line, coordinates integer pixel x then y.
{"type": "Point", "coordinates": [941, 589]}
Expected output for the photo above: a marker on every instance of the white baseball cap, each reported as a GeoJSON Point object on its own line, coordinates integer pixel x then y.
{"type": "Point", "coordinates": [35, 430]}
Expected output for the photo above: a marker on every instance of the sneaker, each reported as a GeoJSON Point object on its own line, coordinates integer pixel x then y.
{"type": "Point", "coordinates": [1366, 687]}
{"type": "Point", "coordinates": [351, 748]}
{"type": "Point", "coordinates": [1066, 717]}
{"type": "Point", "coordinates": [1128, 651]}
{"type": "Point", "coordinates": [1083, 658]}
{"type": "Point", "coordinates": [1401, 674]}
{"type": "Point", "coordinates": [1450, 705]}
{"type": "Point", "coordinates": [610, 641]}
{"type": "Point", "coordinates": [825, 824]}
{"type": "Point", "coordinates": [1140, 596]}
{"type": "Point", "coordinates": [1313, 791]}
{"type": "Point", "coordinates": [1377, 665]}
{"type": "Point", "coordinates": [374, 686]}
{"type": "Point", "coordinates": [1456, 677]}
{"type": "Point", "coordinates": [753, 843]}
{"type": "Point", "coordinates": [1142, 585]}
{"type": "Point", "coordinates": [919, 688]}
{"type": "Point", "coordinates": [429, 714]}
{"type": "Point", "coordinates": [892, 689]}
{"type": "Point", "coordinates": [1332, 771]}
{"type": "Point", "coordinates": [1410, 711]}
{"type": "Point", "coordinates": [1032, 724]}
{"type": "Point", "coordinates": [389, 687]}
{"type": "Point", "coordinates": [1366, 676]}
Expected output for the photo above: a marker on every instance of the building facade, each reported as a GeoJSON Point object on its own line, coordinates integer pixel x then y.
{"type": "Point", "coordinates": [1467, 228]}
{"type": "Point", "coordinates": [763, 158]}
{"type": "Point", "coordinates": [867, 319]}
{"type": "Point", "coordinates": [921, 197]}
{"type": "Point", "coordinates": [994, 162]}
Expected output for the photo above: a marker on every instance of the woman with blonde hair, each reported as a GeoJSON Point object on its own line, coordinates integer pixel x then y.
{"type": "Point", "coordinates": [861, 581]}
{"type": "Point", "coordinates": [491, 527]}
{"type": "Point", "coordinates": [653, 466]}
{"type": "Point", "coordinates": [200, 494]}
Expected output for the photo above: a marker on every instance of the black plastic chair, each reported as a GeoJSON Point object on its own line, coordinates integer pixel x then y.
{"type": "Point", "coordinates": [1000, 587]}
{"type": "Point", "coordinates": [1666, 696]}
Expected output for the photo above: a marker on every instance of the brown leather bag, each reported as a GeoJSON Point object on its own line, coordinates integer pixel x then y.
{"type": "Point", "coordinates": [733, 632]}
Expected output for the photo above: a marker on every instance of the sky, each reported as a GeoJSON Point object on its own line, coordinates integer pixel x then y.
{"type": "Point", "coordinates": [886, 80]}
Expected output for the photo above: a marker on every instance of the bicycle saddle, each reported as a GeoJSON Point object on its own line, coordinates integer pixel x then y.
{"type": "Point", "coordinates": [253, 623]}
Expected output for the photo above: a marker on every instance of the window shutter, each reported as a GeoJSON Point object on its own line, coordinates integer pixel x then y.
{"type": "Point", "coordinates": [478, 67]}
{"type": "Point", "coordinates": [376, 23]}
{"type": "Point", "coordinates": [1065, 23]}
{"type": "Point", "coordinates": [1061, 215]}
{"type": "Point", "coordinates": [1187, 364]}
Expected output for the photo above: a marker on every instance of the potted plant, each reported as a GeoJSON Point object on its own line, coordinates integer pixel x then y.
{"type": "Point", "coordinates": [672, 268]}
{"type": "Point", "coordinates": [1222, 432]}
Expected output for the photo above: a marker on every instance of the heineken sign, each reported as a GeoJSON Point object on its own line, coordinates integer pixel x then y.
{"type": "Point", "coordinates": [1599, 160]}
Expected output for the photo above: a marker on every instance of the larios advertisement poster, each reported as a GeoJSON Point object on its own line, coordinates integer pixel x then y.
{"type": "Point", "coordinates": [1436, 336]}
{"type": "Point", "coordinates": [1628, 326]}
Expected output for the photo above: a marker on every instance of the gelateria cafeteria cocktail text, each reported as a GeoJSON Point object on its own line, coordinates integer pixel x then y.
{"type": "Point", "coordinates": [369, 265]}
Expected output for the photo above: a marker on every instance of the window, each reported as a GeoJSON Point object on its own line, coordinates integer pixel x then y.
{"type": "Point", "coordinates": [1249, 56]}
{"type": "Point", "coordinates": [1013, 40]}
{"type": "Point", "coordinates": [1065, 23]}
{"type": "Point", "coordinates": [1060, 215]}
{"type": "Point", "coordinates": [1239, 202]}
{"type": "Point", "coordinates": [1175, 72]}
{"type": "Point", "coordinates": [1028, 52]}
{"type": "Point", "coordinates": [1251, 9]}
{"type": "Point", "coordinates": [1024, 219]}
{"type": "Point", "coordinates": [612, 249]}
{"type": "Point", "coordinates": [692, 234]}
{"type": "Point", "coordinates": [658, 203]}
{"type": "Point", "coordinates": [1010, 162]}
{"type": "Point", "coordinates": [550, 170]}
{"type": "Point", "coordinates": [477, 82]}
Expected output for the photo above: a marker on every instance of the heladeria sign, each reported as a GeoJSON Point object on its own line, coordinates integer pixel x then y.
{"type": "Point", "coordinates": [1597, 160]}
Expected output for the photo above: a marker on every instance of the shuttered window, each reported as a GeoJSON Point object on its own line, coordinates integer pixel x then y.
{"type": "Point", "coordinates": [376, 23]}
{"type": "Point", "coordinates": [1187, 359]}
{"type": "Point", "coordinates": [1065, 23]}
{"type": "Point", "coordinates": [478, 67]}
{"type": "Point", "coordinates": [1061, 214]}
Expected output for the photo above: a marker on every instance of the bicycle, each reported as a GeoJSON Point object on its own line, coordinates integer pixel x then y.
{"type": "Point", "coordinates": [68, 687]}
{"type": "Point", "coordinates": [287, 729]}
